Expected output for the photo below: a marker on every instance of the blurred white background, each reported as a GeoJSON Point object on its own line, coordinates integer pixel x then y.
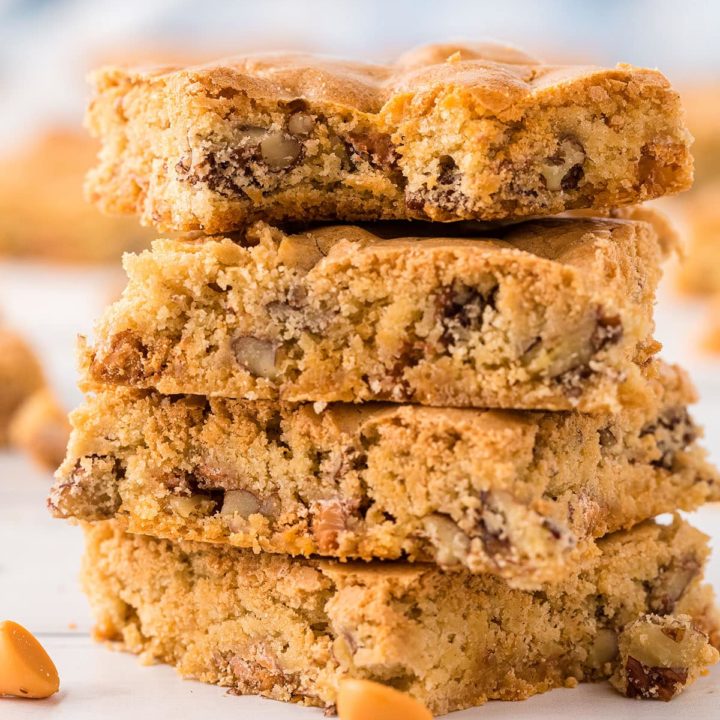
{"type": "Point", "coordinates": [47, 46]}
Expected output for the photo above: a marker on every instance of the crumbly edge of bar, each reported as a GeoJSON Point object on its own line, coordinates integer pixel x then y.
{"type": "Point", "coordinates": [439, 327]}
{"type": "Point", "coordinates": [228, 158]}
{"type": "Point", "coordinates": [208, 610]}
{"type": "Point", "coordinates": [516, 494]}
{"type": "Point", "coordinates": [659, 656]}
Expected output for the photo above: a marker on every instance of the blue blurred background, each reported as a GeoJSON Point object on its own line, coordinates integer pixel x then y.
{"type": "Point", "coordinates": [46, 46]}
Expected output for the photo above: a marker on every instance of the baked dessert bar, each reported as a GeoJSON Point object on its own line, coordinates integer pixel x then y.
{"type": "Point", "coordinates": [20, 376]}
{"type": "Point", "coordinates": [553, 314]}
{"type": "Point", "coordinates": [42, 210]}
{"type": "Point", "coordinates": [660, 655]}
{"type": "Point", "coordinates": [447, 132]}
{"type": "Point", "coordinates": [292, 628]}
{"type": "Point", "coordinates": [518, 494]}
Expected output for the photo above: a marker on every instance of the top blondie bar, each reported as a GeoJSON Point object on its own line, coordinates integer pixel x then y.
{"type": "Point", "coordinates": [447, 132]}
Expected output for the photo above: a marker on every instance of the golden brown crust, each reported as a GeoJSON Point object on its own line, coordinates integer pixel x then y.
{"type": "Point", "coordinates": [450, 132]}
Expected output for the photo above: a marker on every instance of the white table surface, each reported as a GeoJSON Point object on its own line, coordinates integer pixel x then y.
{"type": "Point", "coordinates": [39, 557]}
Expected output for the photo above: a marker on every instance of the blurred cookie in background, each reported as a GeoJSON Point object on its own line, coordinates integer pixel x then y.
{"type": "Point", "coordinates": [20, 376]}
{"type": "Point", "coordinates": [40, 428]}
{"type": "Point", "coordinates": [43, 214]}
{"type": "Point", "coordinates": [31, 418]}
{"type": "Point", "coordinates": [711, 338]}
{"type": "Point", "coordinates": [702, 104]}
{"type": "Point", "coordinates": [699, 274]}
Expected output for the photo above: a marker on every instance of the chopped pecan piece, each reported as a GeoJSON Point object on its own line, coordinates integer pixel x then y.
{"type": "Point", "coordinates": [660, 656]}
{"type": "Point", "coordinates": [122, 361]}
{"type": "Point", "coordinates": [608, 331]}
{"type": "Point", "coordinates": [671, 583]}
{"type": "Point", "coordinates": [91, 491]}
{"type": "Point", "coordinates": [257, 355]}
{"type": "Point", "coordinates": [564, 170]}
{"type": "Point", "coordinates": [329, 520]}
{"type": "Point", "coordinates": [280, 151]}
{"type": "Point", "coordinates": [461, 308]}
{"type": "Point", "coordinates": [375, 147]}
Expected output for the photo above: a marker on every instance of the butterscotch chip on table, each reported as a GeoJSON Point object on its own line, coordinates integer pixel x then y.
{"type": "Point", "coordinates": [660, 656]}
{"type": "Point", "coordinates": [41, 429]}
{"type": "Point", "coordinates": [362, 699]}
{"type": "Point", "coordinates": [517, 494]}
{"type": "Point", "coordinates": [448, 132]}
{"type": "Point", "coordinates": [293, 629]}
{"type": "Point", "coordinates": [26, 670]}
{"type": "Point", "coordinates": [20, 376]}
{"type": "Point", "coordinates": [554, 314]}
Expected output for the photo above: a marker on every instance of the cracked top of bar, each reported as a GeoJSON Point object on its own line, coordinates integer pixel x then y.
{"type": "Point", "coordinates": [447, 132]}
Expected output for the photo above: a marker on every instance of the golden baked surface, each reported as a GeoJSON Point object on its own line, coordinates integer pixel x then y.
{"type": "Point", "coordinates": [447, 132]}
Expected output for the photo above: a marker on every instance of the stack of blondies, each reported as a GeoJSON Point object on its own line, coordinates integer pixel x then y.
{"type": "Point", "coordinates": [426, 449]}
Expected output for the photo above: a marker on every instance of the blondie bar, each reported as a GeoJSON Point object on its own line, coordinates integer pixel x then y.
{"type": "Point", "coordinates": [554, 314]}
{"type": "Point", "coordinates": [20, 376]}
{"type": "Point", "coordinates": [292, 628]}
{"type": "Point", "coordinates": [42, 210]}
{"type": "Point", "coordinates": [518, 494]}
{"type": "Point", "coordinates": [448, 132]}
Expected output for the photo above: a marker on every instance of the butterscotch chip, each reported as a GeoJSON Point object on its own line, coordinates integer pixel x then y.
{"type": "Point", "coordinates": [26, 670]}
{"type": "Point", "coordinates": [364, 699]}
{"type": "Point", "coordinates": [449, 132]}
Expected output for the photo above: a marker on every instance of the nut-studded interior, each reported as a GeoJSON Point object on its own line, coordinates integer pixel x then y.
{"type": "Point", "coordinates": [660, 655]}
{"type": "Point", "coordinates": [546, 315]}
{"type": "Point", "coordinates": [510, 493]}
{"type": "Point", "coordinates": [455, 134]}
{"type": "Point", "coordinates": [291, 628]}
